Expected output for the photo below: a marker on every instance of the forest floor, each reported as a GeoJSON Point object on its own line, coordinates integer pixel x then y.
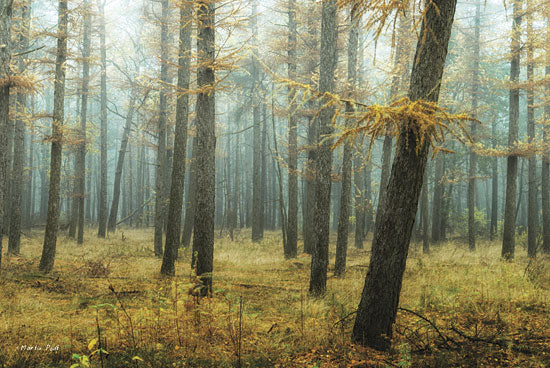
{"type": "Point", "coordinates": [458, 308]}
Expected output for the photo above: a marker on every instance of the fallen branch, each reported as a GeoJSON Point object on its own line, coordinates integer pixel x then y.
{"type": "Point", "coordinates": [443, 337]}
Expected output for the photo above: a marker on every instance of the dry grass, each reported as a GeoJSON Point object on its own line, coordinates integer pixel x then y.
{"type": "Point", "coordinates": [487, 312]}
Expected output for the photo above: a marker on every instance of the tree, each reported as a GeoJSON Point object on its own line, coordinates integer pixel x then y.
{"type": "Point", "coordinates": [50, 236]}
{"type": "Point", "coordinates": [180, 145]}
{"type": "Point", "coordinates": [323, 159]}
{"type": "Point", "coordinates": [509, 230]}
{"type": "Point", "coordinates": [546, 157]}
{"type": "Point", "coordinates": [532, 218]}
{"type": "Point", "coordinates": [291, 249]}
{"type": "Point", "coordinates": [203, 239]}
{"type": "Point", "coordinates": [343, 221]}
{"type": "Point", "coordinates": [472, 156]}
{"type": "Point", "coordinates": [380, 298]}
{"type": "Point", "coordinates": [102, 210]}
{"type": "Point", "coordinates": [161, 132]}
{"type": "Point", "coordinates": [5, 56]}
{"type": "Point", "coordinates": [81, 155]}
{"type": "Point", "coordinates": [19, 139]}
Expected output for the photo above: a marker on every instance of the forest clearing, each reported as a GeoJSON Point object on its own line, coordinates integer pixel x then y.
{"type": "Point", "coordinates": [485, 312]}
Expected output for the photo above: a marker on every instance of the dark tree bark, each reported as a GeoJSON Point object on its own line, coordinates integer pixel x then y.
{"type": "Point", "coordinates": [532, 216]}
{"type": "Point", "coordinates": [19, 140]}
{"type": "Point", "coordinates": [380, 298]}
{"type": "Point", "coordinates": [203, 239]}
{"type": "Point", "coordinates": [343, 220]}
{"type": "Point", "coordinates": [323, 160]}
{"type": "Point", "coordinates": [308, 207]}
{"type": "Point", "coordinates": [180, 145]}
{"type": "Point", "coordinates": [102, 209]}
{"type": "Point", "coordinates": [472, 157]}
{"type": "Point", "coordinates": [50, 236]}
{"type": "Point", "coordinates": [111, 225]}
{"type": "Point", "coordinates": [5, 55]}
{"type": "Point", "coordinates": [401, 72]}
{"type": "Point", "coordinates": [291, 250]}
{"type": "Point", "coordinates": [160, 189]}
{"type": "Point", "coordinates": [509, 230]}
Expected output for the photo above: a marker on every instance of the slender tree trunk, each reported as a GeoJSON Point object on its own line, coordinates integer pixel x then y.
{"type": "Point", "coordinates": [532, 215]}
{"type": "Point", "coordinates": [180, 145]}
{"type": "Point", "coordinates": [437, 198]}
{"type": "Point", "coordinates": [359, 187]}
{"type": "Point", "coordinates": [546, 157]}
{"type": "Point", "coordinates": [5, 55]}
{"type": "Point", "coordinates": [189, 220]}
{"type": "Point", "coordinates": [380, 298]}
{"type": "Point", "coordinates": [343, 221]}
{"type": "Point", "coordinates": [203, 239]}
{"type": "Point", "coordinates": [19, 140]}
{"type": "Point", "coordinates": [323, 161]}
{"type": "Point", "coordinates": [111, 225]}
{"type": "Point", "coordinates": [425, 215]}
{"type": "Point", "coordinates": [494, 190]}
{"type": "Point", "coordinates": [102, 215]}
{"type": "Point", "coordinates": [472, 156]}
{"type": "Point", "coordinates": [508, 236]}
{"type": "Point", "coordinates": [50, 236]}
{"type": "Point", "coordinates": [161, 132]}
{"type": "Point", "coordinates": [81, 155]}
{"type": "Point", "coordinates": [291, 250]}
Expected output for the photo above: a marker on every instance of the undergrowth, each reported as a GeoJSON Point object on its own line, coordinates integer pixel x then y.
{"type": "Point", "coordinates": [105, 305]}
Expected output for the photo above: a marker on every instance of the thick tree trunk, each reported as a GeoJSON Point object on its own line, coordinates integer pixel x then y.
{"type": "Point", "coordinates": [323, 161]}
{"type": "Point", "coordinates": [102, 213]}
{"type": "Point", "coordinates": [180, 145]}
{"type": "Point", "coordinates": [50, 236]}
{"type": "Point", "coordinates": [343, 220]}
{"type": "Point", "coordinates": [509, 231]}
{"type": "Point", "coordinates": [291, 250]}
{"type": "Point", "coordinates": [111, 225]}
{"type": "Point", "coordinates": [203, 239]}
{"type": "Point", "coordinates": [380, 298]}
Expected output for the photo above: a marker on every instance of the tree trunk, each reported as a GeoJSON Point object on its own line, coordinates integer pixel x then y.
{"type": "Point", "coordinates": [359, 184]}
{"type": "Point", "coordinates": [532, 215]}
{"type": "Point", "coordinates": [180, 145]}
{"type": "Point", "coordinates": [323, 160]}
{"type": "Point", "coordinates": [189, 219]}
{"type": "Point", "coordinates": [546, 157]}
{"type": "Point", "coordinates": [102, 213]}
{"type": "Point", "coordinates": [81, 155]}
{"type": "Point", "coordinates": [111, 226]}
{"type": "Point", "coordinates": [494, 190]}
{"type": "Point", "coordinates": [437, 200]}
{"type": "Point", "coordinates": [203, 239]}
{"type": "Point", "coordinates": [161, 132]}
{"type": "Point", "coordinates": [425, 215]}
{"type": "Point", "coordinates": [291, 250]}
{"type": "Point", "coordinates": [343, 220]}
{"type": "Point", "coordinates": [5, 54]}
{"type": "Point", "coordinates": [380, 298]}
{"type": "Point", "coordinates": [472, 156]}
{"type": "Point", "coordinates": [50, 236]}
{"type": "Point", "coordinates": [19, 140]}
{"type": "Point", "coordinates": [508, 236]}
